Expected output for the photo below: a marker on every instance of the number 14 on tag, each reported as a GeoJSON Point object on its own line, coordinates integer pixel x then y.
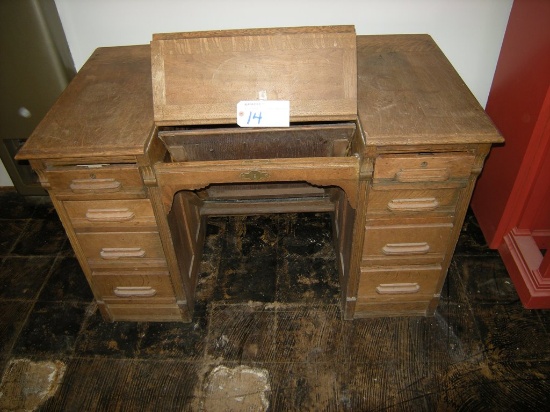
{"type": "Point", "coordinates": [253, 117]}
{"type": "Point", "coordinates": [263, 113]}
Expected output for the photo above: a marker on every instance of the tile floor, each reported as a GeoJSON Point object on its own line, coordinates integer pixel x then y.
{"type": "Point", "coordinates": [268, 301]}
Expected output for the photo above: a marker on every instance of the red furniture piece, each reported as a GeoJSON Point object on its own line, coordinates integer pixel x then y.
{"type": "Point", "coordinates": [512, 197]}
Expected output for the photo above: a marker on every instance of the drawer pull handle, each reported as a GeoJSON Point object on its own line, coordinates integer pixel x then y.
{"type": "Point", "coordinates": [413, 205]}
{"type": "Point", "coordinates": [109, 215]}
{"type": "Point", "coordinates": [422, 175]}
{"type": "Point", "coordinates": [134, 291]}
{"type": "Point", "coordinates": [397, 288]}
{"type": "Point", "coordinates": [113, 253]}
{"type": "Point", "coordinates": [406, 248]}
{"type": "Point", "coordinates": [254, 175]}
{"type": "Point", "coordinates": [95, 185]}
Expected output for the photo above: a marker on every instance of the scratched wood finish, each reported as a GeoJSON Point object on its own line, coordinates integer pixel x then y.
{"type": "Point", "coordinates": [116, 81]}
{"type": "Point", "coordinates": [411, 93]}
{"type": "Point", "coordinates": [200, 78]}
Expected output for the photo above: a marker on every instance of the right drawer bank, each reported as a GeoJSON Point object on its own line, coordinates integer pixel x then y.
{"type": "Point", "coordinates": [410, 230]}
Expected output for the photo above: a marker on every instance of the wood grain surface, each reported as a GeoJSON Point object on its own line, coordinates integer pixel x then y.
{"type": "Point", "coordinates": [200, 78]}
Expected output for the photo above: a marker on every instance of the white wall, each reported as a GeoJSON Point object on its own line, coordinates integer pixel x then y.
{"type": "Point", "coordinates": [469, 32]}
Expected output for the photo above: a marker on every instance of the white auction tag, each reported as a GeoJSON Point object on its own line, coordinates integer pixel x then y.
{"type": "Point", "coordinates": [263, 113]}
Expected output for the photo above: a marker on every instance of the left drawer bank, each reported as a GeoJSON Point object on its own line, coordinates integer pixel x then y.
{"type": "Point", "coordinates": [89, 151]}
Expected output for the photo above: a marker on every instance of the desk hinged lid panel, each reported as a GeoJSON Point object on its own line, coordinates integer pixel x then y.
{"type": "Point", "coordinates": [199, 77]}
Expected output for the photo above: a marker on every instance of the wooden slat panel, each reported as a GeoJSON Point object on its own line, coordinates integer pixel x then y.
{"type": "Point", "coordinates": [199, 79]}
{"type": "Point", "coordinates": [387, 309]}
{"type": "Point", "coordinates": [187, 228]}
{"type": "Point", "coordinates": [144, 313]}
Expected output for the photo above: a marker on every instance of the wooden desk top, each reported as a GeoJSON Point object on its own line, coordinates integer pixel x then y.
{"type": "Point", "coordinates": [106, 110]}
{"type": "Point", "coordinates": [408, 94]}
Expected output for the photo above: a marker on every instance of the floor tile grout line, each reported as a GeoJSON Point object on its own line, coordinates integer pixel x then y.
{"type": "Point", "coordinates": [541, 320]}
{"type": "Point", "coordinates": [277, 286]}
{"type": "Point", "coordinates": [33, 302]}
{"type": "Point", "coordinates": [27, 223]}
{"type": "Point", "coordinates": [16, 256]}
{"type": "Point", "coordinates": [470, 310]}
{"type": "Point", "coordinates": [57, 301]}
{"type": "Point", "coordinates": [209, 305]}
{"type": "Point", "coordinates": [210, 313]}
{"type": "Point", "coordinates": [308, 362]}
{"type": "Point", "coordinates": [88, 315]}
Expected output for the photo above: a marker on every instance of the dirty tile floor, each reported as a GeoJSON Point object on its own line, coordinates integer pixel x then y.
{"type": "Point", "coordinates": [268, 307]}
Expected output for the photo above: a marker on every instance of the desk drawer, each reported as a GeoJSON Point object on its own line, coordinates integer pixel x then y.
{"type": "Point", "coordinates": [388, 284]}
{"type": "Point", "coordinates": [133, 287]}
{"type": "Point", "coordinates": [119, 249]}
{"type": "Point", "coordinates": [105, 180]}
{"type": "Point", "coordinates": [401, 202]}
{"type": "Point", "coordinates": [406, 244]}
{"type": "Point", "coordinates": [116, 214]}
{"type": "Point", "coordinates": [420, 168]}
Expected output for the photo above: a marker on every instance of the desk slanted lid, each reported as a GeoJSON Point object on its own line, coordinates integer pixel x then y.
{"type": "Point", "coordinates": [199, 77]}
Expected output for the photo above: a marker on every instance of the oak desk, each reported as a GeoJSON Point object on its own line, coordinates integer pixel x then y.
{"type": "Point", "coordinates": [397, 189]}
